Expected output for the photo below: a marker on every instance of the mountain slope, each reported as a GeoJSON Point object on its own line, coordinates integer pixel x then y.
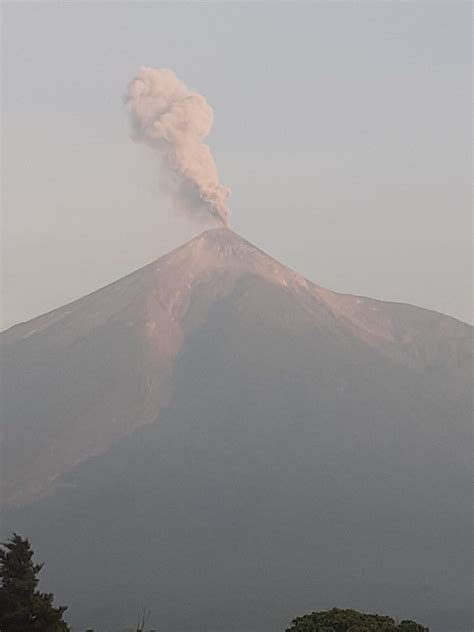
{"type": "Point", "coordinates": [221, 439]}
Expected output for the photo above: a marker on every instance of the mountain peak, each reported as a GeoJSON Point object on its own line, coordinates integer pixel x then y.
{"type": "Point", "coordinates": [220, 234]}
{"type": "Point", "coordinates": [132, 333]}
{"type": "Point", "coordinates": [220, 241]}
{"type": "Point", "coordinates": [184, 391]}
{"type": "Point", "coordinates": [221, 249]}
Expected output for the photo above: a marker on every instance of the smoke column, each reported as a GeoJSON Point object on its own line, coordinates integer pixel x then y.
{"type": "Point", "coordinates": [174, 121]}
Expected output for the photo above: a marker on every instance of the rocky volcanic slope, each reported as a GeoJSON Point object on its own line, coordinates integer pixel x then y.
{"type": "Point", "coordinates": [215, 424]}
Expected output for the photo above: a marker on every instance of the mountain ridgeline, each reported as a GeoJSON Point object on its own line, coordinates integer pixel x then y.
{"type": "Point", "coordinates": [218, 438]}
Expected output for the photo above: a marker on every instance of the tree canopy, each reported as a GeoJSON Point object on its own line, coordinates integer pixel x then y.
{"type": "Point", "coordinates": [337, 620]}
{"type": "Point", "coordinates": [22, 606]}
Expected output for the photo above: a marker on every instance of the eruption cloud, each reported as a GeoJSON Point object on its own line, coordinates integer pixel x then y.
{"type": "Point", "coordinates": [174, 121]}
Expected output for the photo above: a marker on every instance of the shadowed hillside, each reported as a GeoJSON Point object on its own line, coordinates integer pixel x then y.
{"type": "Point", "coordinates": [218, 438]}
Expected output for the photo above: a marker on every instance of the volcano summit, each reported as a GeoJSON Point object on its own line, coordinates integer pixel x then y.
{"type": "Point", "coordinates": [221, 439]}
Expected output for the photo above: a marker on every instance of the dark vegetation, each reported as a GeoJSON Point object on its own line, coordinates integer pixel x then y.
{"type": "Point", "coordinates": [337, 620]}
{"type": "Point", "coordinates": [23, 608]}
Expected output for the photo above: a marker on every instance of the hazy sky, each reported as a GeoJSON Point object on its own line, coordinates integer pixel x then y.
{"type": "Point", "coordinates": [343, 131]}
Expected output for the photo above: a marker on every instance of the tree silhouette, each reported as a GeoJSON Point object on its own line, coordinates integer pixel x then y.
{"type": "Point", "coordinates": [23, 607]}
{"type": "Point", "coordinates": [337, 620]}
{"type": "Point", "coordinates": [142, 618]}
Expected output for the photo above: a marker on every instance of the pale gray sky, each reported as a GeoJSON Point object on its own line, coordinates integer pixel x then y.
{"type": "Point", "coordinates": [343, 130]}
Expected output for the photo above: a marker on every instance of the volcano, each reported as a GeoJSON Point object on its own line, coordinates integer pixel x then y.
{"type": "Point", "coordinates": [230, 444]}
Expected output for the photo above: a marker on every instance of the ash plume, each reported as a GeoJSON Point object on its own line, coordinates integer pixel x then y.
{"type": "Point", "coordinates": [174, 121]}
